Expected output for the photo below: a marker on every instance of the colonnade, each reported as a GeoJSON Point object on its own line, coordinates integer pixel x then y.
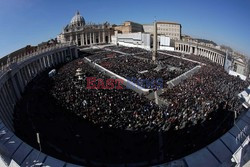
{"type": "Point", "coordinates": [83, 38]}
{"type": "Point", "coordinates": [212, 54]}
{"type": "Point", "coordinates": [14, 79]}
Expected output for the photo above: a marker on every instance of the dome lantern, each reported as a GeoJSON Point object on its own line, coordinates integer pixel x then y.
{"type": "Point", "coordinates": [77, 20]}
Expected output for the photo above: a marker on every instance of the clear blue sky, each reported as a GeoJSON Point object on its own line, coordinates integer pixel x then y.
{"type": "Point", "coordinates": [24, 22]}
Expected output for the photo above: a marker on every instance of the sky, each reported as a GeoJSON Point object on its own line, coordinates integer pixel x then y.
{"type": "Point", "coordinates": [29, 22]}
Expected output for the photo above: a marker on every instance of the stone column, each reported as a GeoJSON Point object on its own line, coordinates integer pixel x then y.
{"type": "Point", "coordinates": [71, 55]}
{"type": "Point", "coordinates": [109, 38]}
{"type": "Point", "coordinates": [82, 39]}
{"type": "Point", "coordinates": [20, 80]}
{"type": "Point", "coordinates": [29, 74]}
{"type": "Point", "coordinates": [17, 92]}
{"type": "Point", "coordinates": [29, 71]}
{"type": "Point", "coordinates": [38, 69]}
{"type": "Point", "coordinates": [51, 60]}
{"type": "Point", "coordinates": [37, 65]}
{"type": "Point", "coordinates": [99, 37]}
{"type": "Point", "coordinates": [23, 77]}
{"type": "Point", "coordinates": [103, 36]}
{"type": "Point", "coordinates": [94, 39]}
{"type": "Point", "coordinates": [5, 115]}
{"type": "Point", "coordinates": [56, 58]}
{"type": "Point", "coordinates": [76, 52]}
{"type": "Point", "coordinates": [6, 110]}
{"type": "Point", "coordinates": [33, 69]}
{"type": "Point", "coordinates": [76, 39]}
{"type": "Point", "coordinates": [45, 62]}
{"type": "Point", "coordinates": [223, 61]}
{"type": "Point", "coordinates": [64, 55]}
{"type": "Point", "coordinates": [10, 99]}
{"type": "Point", "coordinates": [86, 38]}
{"type": "Point", "coordinates": [26, 76]}
{"type": "Point", "coordinates": [9, 103]}
{"type": "Point", "coordinates": [63, 58]}
{"type": "Point", "coordinates": [42, 63]}
{"type": "Point", "coordinates": [48, 61]}
{"type": "Point", "coordinates": [218, 59]}
{"type": "Point", "coordinates": [60, 56]}
{"type": "Point", "coordinates": [90, 38]}
{"type": "Point", "coordinates": [9, 94]}
{"type": "Point", "coordinates": [71, 38]}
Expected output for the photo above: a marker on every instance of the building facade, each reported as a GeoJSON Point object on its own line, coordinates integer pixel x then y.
{"type": "Point", "coordinates": [85, 34]}
{"type": "Point", "coordinates": [170, 29]}
{"type": "Point", "coordinates": [237, 61]}
{"type": "Point", "coordinates": [129, 27]}
{"type": "Point", "coordinates": [137, 39]}
{"type": "Point", "coordinates": [213, 54]}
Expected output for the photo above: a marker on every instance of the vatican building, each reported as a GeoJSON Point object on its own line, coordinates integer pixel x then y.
{"type": "Point", "coordinates": [82, 34]}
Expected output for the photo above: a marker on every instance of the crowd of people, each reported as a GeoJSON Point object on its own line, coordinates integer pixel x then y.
{"type": "Point", "coordinates": [203, 93]}
{"type": "Point", "coordinates": [189, 102]}
{"type": "Point", "coordinates": [102, 55]}
{"type": "Point", "coordinates": [128, 50]}
{"type": "Point", "coordinates": [200, 59]}
{"type": "Point", "coordinates": [140, 66]}
{"type": "Point", "coordinates": [122, 109]}
{"type": "Point", "coordinates": [197, 110]}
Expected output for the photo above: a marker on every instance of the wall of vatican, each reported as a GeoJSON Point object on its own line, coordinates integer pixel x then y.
{"type": "Point", "coordinates": [14, 76]}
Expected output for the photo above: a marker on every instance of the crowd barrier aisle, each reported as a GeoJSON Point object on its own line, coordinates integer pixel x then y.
{"type": "Point", "coordinates": [127, 83]}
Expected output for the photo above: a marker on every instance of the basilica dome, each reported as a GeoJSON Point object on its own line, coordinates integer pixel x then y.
{"type": "Point", "coordinates": [77, 20]}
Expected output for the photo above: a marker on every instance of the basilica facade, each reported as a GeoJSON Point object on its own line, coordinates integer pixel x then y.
{"type": "Point", "coordinates": [85, 34]}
